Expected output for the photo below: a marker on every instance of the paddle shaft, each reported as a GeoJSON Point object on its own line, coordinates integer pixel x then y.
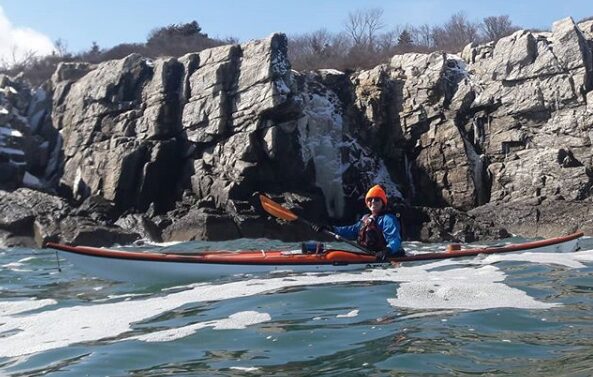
{"type": "Point", "coordinates": [283, 213]}
{"type": "Point", "coordinates": [339, 238]}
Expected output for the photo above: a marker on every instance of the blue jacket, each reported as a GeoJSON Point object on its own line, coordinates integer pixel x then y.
{"type": "Point", "coordinates": [387, 222]}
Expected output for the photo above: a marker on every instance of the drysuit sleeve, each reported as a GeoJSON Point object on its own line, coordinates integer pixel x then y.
{"type": "Point", "coordinates": [390, 228]}
{"type": "Point", "coordinates": [349, 232]}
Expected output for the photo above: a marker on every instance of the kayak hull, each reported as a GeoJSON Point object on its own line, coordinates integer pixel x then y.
{"type": "Point", "coordinates": [156, 267]}
{"type": "Point", "coordinates": [170, 271]}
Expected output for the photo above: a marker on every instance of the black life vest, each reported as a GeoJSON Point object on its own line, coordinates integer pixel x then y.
{"type": "Point", "coordinates": [370, 235]}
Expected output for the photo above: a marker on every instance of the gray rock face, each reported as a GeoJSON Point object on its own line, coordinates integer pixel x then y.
{"type": "Point", "coordinates": [27, 140]}
{"type": "Point", "coordinates": [120, 124]}
{"type": "Point", "coordinates": [503, 128]}
{"type": "Point", "coordinates": [535, 125]}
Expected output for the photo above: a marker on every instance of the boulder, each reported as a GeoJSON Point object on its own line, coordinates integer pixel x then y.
{"type": "Point", "coordinates": [21, 207]}
{"type": "Point", "coordinates": [83, 231]}
{"type": "Point", "coordinates": [200, 224]}
{"type": "Point", "coordinates": [549, 218]}
{"type": "Point", "coordinates": [140, 224]}
{"type": "Point", "coordinates": [9, 240]}
{"type": "Point", "coordinates": [17, 217]}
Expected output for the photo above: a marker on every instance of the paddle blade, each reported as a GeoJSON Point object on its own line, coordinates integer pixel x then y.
{"type": "Point", "coordinates": [276, 209]}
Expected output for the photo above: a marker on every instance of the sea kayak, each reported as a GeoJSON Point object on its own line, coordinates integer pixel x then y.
{"type": "Point", "coordinates": [158, 267]}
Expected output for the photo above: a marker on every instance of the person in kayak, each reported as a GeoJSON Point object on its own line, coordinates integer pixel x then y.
{"type": "Point", "coordinates": [378, 231]}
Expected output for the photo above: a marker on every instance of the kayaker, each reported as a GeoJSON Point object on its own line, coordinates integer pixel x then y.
{"type": "Point", "coordinates": [378, 231]}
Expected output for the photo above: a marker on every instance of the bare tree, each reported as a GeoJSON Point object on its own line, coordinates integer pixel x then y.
{"type": "Point", "coordinates": [18, 58]}
{"type": "Point", "coordinates": [61, 47]}
{"type": "Point", "coordinates": [455, 33]}
{"type": "Point", "coordinates": [422, 35]}
{"type": "Point", "coordinates": [364, 25]}
{"type": "Point", "coordinates": [495, 27]}
{"type": "Point", "coordinates": [388, 41]}
{"type": "Point", "coordinates": [319, 49]}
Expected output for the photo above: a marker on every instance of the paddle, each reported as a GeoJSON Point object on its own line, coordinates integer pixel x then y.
{"type": "Point", "coordinates": [280, 212]}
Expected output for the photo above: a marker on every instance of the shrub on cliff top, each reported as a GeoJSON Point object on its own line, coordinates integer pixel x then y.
{"type": "Point", "coordinates": [172, 40]}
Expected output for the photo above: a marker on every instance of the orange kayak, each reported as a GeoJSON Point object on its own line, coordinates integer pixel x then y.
{"type": "Point", "coordinates": [157, 267]}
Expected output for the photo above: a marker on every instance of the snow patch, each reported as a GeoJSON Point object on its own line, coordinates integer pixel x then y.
{"type": "Point", "coordinates": [10, 132]}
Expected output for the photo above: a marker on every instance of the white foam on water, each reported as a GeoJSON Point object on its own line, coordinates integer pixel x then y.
{"type": "Point", "coordinates": [15, 307]}
{"type": "Point", "coordinates": [583, 256]}
{"type": "Point", "coordinates": [350, 314]}
{"type": "Point", "coordinates": [27, 259]}
{"type": "Point", "coordinates": [464, 295]}
{"type": "Point", "coordinates": [542, 258]}
{"type": "Point", "coordinates": [572, 259]}
{"type": "Point", "coordinates": [18, 265]}
{"type": "Point", "coordinates": [127, 296]}
{"type": "Point", "coordinates": [422, 287]}
{"type": "Point", "coordinates": [462, 288]}
{"type": "Point", "coordinates": [427, 314]}
{"type": "Point", "coordinates": [235, 321]}
{"type": "Point", "coordinates": [12, 266]}
{"type": "Point", "coordinates": [148, 242]}
{"type": "Point", "coordinates": [245, 369]}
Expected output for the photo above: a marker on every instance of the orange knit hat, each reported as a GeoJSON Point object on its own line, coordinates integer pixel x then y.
{"type": "Point", "coordinates": [376, 192]}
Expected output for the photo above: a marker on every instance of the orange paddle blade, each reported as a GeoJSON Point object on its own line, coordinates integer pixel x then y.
{"type": "Point", "coordinates": [276, 209]}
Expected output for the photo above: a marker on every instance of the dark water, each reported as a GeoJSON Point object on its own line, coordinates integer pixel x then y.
{"type": "Point", "coordinates": [521, 314]}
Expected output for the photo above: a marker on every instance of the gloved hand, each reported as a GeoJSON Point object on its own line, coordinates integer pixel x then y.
{"type": "Point", "coordinates": [320, 227]}
{"type": "Point", "coordinates": [383, 255]}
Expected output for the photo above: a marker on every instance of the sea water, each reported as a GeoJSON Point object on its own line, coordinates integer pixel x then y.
{"type": "Point", "coordinates": [511, 314]}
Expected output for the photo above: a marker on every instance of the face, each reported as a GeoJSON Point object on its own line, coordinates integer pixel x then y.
{"type": "Point", "coordinates": [374, 204]}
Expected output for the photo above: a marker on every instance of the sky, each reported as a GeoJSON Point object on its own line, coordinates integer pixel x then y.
{"type": "Point", "coordinates": [34, 25]}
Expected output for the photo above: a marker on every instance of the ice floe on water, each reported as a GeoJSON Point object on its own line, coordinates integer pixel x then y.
{"type": "Point", "coordinates": [437, 285]}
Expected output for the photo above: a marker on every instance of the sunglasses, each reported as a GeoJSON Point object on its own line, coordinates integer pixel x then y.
{"type": "Point", "coordinates": [375, 200]}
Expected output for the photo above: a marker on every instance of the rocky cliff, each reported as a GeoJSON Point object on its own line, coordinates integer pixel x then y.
{"type": "Point", "coordinates": [497, 137]}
